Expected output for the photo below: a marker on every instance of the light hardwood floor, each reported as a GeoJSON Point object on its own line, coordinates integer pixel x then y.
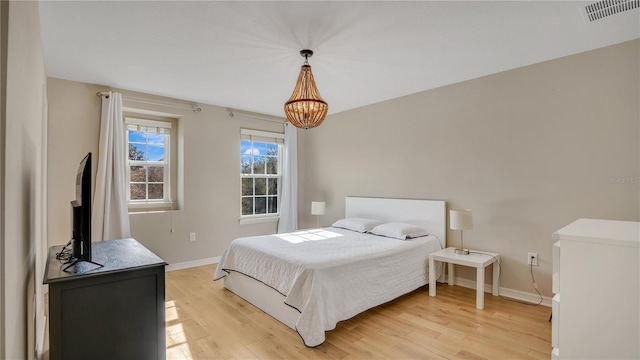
{"type": "Point", "coordinates": [205, 321]}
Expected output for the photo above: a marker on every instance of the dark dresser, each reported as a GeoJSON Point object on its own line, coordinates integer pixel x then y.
{"type": "Point", "coordinates": [112, 312]}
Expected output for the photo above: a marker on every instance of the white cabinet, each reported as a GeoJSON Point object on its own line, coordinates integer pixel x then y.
{"type": "Point", "coordinates": [596, 278]}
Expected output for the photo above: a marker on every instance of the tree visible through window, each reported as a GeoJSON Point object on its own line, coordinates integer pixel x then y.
{"type": "Point", "coordinates": [260, 173]}
{"type": "Point", "coordinates": [148, 161]}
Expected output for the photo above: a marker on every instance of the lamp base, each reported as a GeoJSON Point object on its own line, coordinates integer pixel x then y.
{"type": "Point", "coordinates": [462, 251]}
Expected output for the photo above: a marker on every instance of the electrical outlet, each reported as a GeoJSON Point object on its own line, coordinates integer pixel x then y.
{"type": "Point", "coordinates": [192, 236]}
{"type": "Point", "coordinates": [532, 259]}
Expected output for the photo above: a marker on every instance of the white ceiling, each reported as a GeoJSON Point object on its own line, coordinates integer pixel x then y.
{"type": "Point", "coordinates": [245, 55]}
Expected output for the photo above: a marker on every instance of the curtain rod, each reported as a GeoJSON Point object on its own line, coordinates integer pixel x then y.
{"type": "Point", "coordinates": [234, 113]}
{"type": "Point", "coordinates": [192, 108]}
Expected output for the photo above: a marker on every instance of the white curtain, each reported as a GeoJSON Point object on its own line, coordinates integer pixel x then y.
{"type": "Point", "coordinates": [110, 218]}
{"type": "Point", "coordinates": [289, 192]}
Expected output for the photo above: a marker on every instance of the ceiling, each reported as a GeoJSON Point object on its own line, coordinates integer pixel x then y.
{"type": "Point", "coordinates": [245, 55]}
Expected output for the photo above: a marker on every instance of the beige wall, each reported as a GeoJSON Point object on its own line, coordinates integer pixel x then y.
{"type": "Point", "coordinates": [529, 150]}
{"type": "Point", "coordinates": [24, 181]}
{"type": "Point", "coordinates": [74, 130]}
{"type": "Point", "coordinates": [211, 148]}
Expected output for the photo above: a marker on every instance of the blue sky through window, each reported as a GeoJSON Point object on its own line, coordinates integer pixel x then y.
{"type": "Point", "coordinates": [259, 148]}
{"type": "Point", "coordinates": [150, 144]}
{"type": "Point", "coordinates": [245, 148]}
{"type": "Point", "coordinates": [256, 152]}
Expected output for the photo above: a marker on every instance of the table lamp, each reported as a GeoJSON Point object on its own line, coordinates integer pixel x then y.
{"type": "Point", "coordinates": [317, 208]}
{"type": "Point", "coordinates": [461, 219]}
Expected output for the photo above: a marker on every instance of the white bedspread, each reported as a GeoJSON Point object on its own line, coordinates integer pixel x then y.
{"type": "Point", "coordinates": [331, 274]}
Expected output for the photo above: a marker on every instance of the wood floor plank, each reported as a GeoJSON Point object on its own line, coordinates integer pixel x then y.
{"type": "Point", "coordinates": [206, 321]}
{"type": "Point", "coordinates": [436, 345]}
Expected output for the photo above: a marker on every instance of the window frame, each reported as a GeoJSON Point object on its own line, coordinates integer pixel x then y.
{"type": "Point", "coordinates": [166, 203]}
{"type": "Point", "coordinates": [262, 137]}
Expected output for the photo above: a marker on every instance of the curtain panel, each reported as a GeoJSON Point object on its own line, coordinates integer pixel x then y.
{"type": "Point", "coordinates": [289, 196]}
{"type": "Point", "coordinates": [110, 218]}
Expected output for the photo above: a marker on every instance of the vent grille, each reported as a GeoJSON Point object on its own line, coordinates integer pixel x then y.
{"type": "Point", "coordinates": [602, 9]}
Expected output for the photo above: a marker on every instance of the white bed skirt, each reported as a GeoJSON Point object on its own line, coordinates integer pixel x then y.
{"type": "Point", "coordinates": [263, 297]}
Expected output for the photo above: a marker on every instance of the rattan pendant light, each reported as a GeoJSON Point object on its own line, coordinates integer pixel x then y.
{"type": "Point", "coordinates": [306, 109]}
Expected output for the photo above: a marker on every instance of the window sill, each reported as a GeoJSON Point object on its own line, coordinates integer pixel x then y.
{"type": "Point", "coordinates": [257, 220]}
{"type": "Point", "coordinates": [150, 211]}
{"type": "Point", "coordinates": [149, 207]}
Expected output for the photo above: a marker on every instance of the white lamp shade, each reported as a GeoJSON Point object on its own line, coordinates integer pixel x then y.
{"type": "Point", "coordinates": [317, 207]}
{"type": "Point", "coordinates": [460, 219]}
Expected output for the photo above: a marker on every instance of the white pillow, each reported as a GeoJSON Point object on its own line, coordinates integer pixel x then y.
{"type": "Point", "coordinates": [400, 231]}
{"type": "Point", "coordinates": [356, 224]}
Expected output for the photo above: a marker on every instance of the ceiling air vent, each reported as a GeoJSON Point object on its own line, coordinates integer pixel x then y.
{"type": "Point", "coordinates": [602, 9]}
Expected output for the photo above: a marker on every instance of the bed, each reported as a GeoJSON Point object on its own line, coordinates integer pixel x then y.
{"type": "Point", "coordinates": [312, 279]}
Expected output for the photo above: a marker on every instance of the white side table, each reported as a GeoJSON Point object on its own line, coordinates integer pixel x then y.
{"type": "Point", "coordinates": [476, 259]}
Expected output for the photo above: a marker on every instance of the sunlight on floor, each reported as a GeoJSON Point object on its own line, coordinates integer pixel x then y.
{"type": "Point", "coordinates": [177, 345]}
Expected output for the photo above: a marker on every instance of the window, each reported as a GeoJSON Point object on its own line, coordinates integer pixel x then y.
{"type": "Point", "coordinates": [260, 172]}
{"type": "Point", "coordinates": [148, 144]}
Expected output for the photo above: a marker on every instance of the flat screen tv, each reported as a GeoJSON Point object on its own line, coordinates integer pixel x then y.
{"type": "Point", "coordinates": [81, 215]}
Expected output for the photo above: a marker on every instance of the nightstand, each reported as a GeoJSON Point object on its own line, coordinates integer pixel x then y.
{"type": "Point", "coordinates": [476, 259]}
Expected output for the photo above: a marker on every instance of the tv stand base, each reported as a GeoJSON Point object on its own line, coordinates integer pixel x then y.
{"type": "Point", "coordinates": [81, 260]}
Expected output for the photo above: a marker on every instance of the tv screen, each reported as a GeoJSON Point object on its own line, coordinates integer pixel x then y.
{"type": "Point", "coordinates": [81, 212]}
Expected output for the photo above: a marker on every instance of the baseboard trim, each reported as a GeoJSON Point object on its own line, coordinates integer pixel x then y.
{"type": "Point", "coordinates": [506, 292]}
{"type": "Point", "coordinates": [193, 263]}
